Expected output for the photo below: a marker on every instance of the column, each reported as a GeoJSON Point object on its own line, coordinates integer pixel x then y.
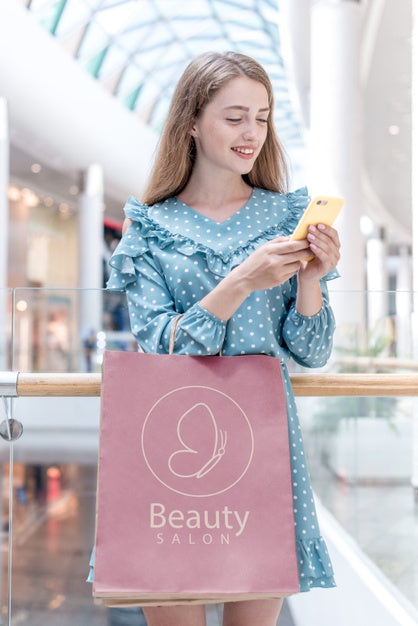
{"type": "Point", "coordinates": [295, 48]}
{"type": "Point", "coordinates": [90, 238]}
{"type": "Point", "coordinates": [335, 138]}
{"type": "Point", "coordinates": [377, 282]}
{"type": "Point", "coordinates": [414, 479]}
{"type": "Point", "coordinates": [295, 44]}
{"type": "Point", "coordinates": [404, 301]}
{"type": "Point", "coordinates": [4, 227]}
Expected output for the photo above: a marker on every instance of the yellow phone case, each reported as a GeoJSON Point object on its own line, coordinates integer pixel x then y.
{"type": "Point", "coordinates": [321, 210]}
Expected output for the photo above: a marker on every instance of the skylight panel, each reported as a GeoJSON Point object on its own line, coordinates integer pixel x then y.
{"type": "Point", "coordinates": [94, 40]}
{"type": "Point", "coordinates": [115, 59]}
{"type": "Point", "coordinates": [139, 48]}
{"type": "Point", "coordinates": [74, 15]}
{"type": "Point", "coordinates": [129, 81]}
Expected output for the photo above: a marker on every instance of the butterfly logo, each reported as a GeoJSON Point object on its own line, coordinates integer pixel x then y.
{"type": "Point", "coordinates": [203, 444]}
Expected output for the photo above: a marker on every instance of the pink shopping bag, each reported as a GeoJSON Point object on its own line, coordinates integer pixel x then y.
{"type": "Point", "coordinates": [194, 499]}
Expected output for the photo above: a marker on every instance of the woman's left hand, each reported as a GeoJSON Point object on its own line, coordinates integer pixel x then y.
{"type": "Point", "coordinates": [325, 246]}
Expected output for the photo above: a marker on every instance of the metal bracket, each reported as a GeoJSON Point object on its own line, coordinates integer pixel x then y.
{"type": "Point", "coordinates": [10, 428]}
{"type": "Point", "coordinates": [8, 384]}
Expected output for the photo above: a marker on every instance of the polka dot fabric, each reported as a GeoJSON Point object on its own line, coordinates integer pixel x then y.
{"type": "Point", "coordinates": [171, 257]}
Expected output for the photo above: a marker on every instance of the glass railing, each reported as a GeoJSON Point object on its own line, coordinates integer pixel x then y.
{"type": "Point", "coordinates": [6, 311]}
{"type": "Point", "coordinates": [54, 469]}
{"type": "Point", "coordinates": [59, 330]}
{"type": "Point", "coordinates": [362, 450]}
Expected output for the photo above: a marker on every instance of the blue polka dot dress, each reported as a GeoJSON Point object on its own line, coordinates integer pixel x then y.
{"type": "Point", "coordinates": [171, 257]}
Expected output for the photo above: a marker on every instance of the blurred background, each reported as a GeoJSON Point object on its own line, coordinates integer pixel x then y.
{"type": "Point", "coordinates": [84, 90]}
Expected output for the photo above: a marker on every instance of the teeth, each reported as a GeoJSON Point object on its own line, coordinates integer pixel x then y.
{"type": "Point", "coordinates": [244, 150]}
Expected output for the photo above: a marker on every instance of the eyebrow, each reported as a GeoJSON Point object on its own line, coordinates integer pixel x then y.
{"type": "Point", "coordinates": [241, 108]}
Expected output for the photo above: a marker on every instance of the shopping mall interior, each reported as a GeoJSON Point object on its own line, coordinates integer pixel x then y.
{"type": "Point", "coordinates": [85, 87]}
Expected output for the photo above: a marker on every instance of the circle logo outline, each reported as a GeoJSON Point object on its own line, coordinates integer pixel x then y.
{"type": "Point", "coordinates": [183, 493]}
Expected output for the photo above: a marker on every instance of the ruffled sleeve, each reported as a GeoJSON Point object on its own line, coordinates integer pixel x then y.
{"type": "Point", "coordinates": [132, 245]}
{"type": "Point", "coordinates": [309, 338]}
{"type": "Point", "coordinates": [150, 303]}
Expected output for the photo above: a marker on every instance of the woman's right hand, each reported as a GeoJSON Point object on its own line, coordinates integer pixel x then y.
{"type": "Point", "coordinates": [272, 264]}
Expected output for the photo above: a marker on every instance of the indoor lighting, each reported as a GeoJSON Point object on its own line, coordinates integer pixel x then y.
{"type": "Point", "coordinates": [14, 193]}
{"type": "Point", "coordinates": [36, 168]}
{"type": "Point", "coordinates": [21, 305]}
{"type": "Point", "coordinates": [64, 209]}
{"type": "Point", "coordinates": [394, 129]}
{"type": "Point", "coordinates": [366, 225]}
{"type": "Point", "coordinates": [30, 198]}
{"type": "Point", "coordinates": [48, 201]}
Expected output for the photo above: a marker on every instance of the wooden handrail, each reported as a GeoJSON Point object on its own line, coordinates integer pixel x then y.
{"type": "Point", "coordinates": [364, 384]}
{"type": "Point", "coordinates": [47, 384]}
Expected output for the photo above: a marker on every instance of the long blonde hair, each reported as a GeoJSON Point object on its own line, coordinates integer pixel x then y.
{"type": "Point", "coordinates": [201, 80]}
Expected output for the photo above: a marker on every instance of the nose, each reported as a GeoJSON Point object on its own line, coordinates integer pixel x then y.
{"type": "Point", "coordinates": [250, 131]}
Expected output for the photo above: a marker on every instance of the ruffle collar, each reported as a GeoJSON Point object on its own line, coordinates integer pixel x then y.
{"type": "Point", "coordinates": [145, 229]}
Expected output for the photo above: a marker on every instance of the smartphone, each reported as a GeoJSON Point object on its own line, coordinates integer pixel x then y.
{"type": "Point", "coordinates": [321, 210]}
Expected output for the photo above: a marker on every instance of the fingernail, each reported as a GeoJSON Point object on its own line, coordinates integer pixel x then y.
{"type": "Point", "coordinates": [321, 226]}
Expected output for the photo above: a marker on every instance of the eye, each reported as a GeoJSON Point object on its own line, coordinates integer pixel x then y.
{"type": "Point", "coordinates": [262, 120]}
{"type": "Point", "coordinates": [233, 119]}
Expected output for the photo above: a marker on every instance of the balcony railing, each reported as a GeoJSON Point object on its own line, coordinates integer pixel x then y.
{"type": "Point", "coordinates": [359, 417]}
{"type": "Point", "coordinates": [87, 385]}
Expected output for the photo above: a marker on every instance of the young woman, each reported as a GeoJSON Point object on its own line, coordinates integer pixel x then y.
{"type": "Point", "coordinates": [211, 242]}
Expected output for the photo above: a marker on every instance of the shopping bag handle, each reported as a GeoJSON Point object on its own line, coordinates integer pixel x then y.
{"type": "Point", "coordinates": [173, 335]}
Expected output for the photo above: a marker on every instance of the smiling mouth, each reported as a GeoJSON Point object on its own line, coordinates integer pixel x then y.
{"type": "Point", "coordinates": [246, 151]}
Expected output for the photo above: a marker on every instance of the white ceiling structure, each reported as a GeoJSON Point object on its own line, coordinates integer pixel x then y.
{"type": "Point", "coordinates": [386, 77]}
{"type": "Point", "coordinates": [137, 49]}
{"type": "Point", "coordinates": [99, 74]}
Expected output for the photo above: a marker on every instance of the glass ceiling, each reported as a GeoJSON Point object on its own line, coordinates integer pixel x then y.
{"type": "Point", "coordinates": [137, 49]}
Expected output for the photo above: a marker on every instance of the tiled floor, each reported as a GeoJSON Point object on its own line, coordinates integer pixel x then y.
{"type": "Point", "coordinates": [52, 540]}
{"type": "Point", "coordinates": [53, 535]}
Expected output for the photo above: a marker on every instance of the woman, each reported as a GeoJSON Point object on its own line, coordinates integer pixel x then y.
{"type": "Point", "coordinates": [211, 242]}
